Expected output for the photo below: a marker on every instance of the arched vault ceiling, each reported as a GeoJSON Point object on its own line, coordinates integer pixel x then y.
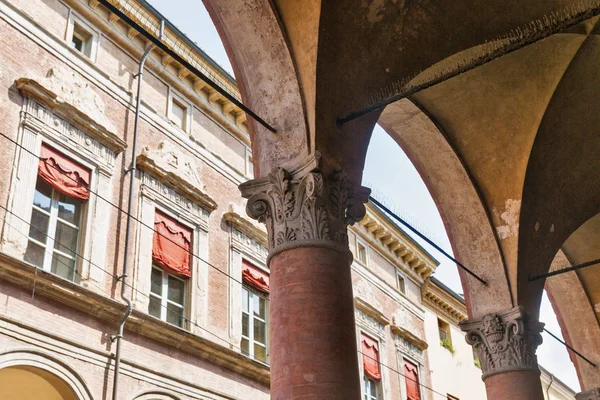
{"type": "Point", "coordinates": [491, 117]}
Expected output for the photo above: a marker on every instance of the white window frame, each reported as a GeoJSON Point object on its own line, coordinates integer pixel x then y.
{"type": "Point", "coordinates": [367, 383]}
{"type": "Point", "coordinates": [402, 290]}
{"type": "Point", "coordinates": [173, 95]}
{"type": "Point", "coordinates": [251, 318]}
{"type": "Point", "coordinates": [419, 374]}
{"type": "Point", "coordinates": [448, 333]}
{"type": "Point", "coordinates": [53, 219]}
{"type": "Point", "coordinates": [249, 164]}
{"type": "Point", "coordinates": [75, 18]}
{"type": "Point", "coordinates": [362, 243]}
{"type": "Point", "coordinates": [164, 298]}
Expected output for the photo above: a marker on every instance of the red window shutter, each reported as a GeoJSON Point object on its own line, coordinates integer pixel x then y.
{"type": "Point", "coordinates": [171, 245]}
{"type": "Point", "coordinates": [63, 174]}
{"type": "Point", "coordinates": [411, 376]}
{"type": "Point", "coordinates": [254, 277]}
{"type": "Point", "coordinates": [370, 353]}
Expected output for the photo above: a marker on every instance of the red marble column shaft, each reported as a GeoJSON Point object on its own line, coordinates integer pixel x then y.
{"type": "Point", "coordinates": [516, 385]}
{"type": "Point", "coordinates": [312, 334]}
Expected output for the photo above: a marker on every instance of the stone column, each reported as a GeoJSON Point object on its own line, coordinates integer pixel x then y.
{"type": "Point", "coordinates": [593, 394]}
{"type": "Point", "coordinates": [506, 344]}
{"type": "Point", "coordinates": [313, 352]}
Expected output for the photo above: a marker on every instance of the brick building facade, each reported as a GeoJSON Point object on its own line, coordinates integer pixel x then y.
{"type": "Point", "coordinates": [199, 327]}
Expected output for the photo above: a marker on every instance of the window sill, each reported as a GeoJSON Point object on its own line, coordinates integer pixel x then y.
{"type": "Point", "coordinates": [104, 308]}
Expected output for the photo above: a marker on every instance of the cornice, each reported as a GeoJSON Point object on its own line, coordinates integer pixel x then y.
{"type": "Point", "coordinates": [34, 89]}
{"type": "Point", "coordinates": [106, 309]}
{"type": "Point", "coordinates": [246, 227]}
{"type": "Point", "coordinates": [443, 302]}
{"type": "Point", "coordinates": [148, 164]}
{"type": "Point", "coordinates": [409, 337]}
{"type": "Point", "coordinates": [391, 238]}
{"type": "Point", "coordinates": [371, 311]}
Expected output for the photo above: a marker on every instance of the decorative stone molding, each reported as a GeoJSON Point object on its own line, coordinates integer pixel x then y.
{"type": "Point", "coordinates": [70, 98]}
{"type": "Point", "coordinates": [593, 394]}
{"type": "Point", "coordinates": [246, 227]}
{"type": "Point", "coordinates": [443, 302]}
{"type": "Point", "coordinates": [305, 209]}
{"type": "Point", "coordinates": [171, 166]}
{"type": "Point", "coordinates": [373, 312]}
{"type": "Point", "coordinates": [505, 341]}
{"type": "Point", "coordinates": [389, 237]}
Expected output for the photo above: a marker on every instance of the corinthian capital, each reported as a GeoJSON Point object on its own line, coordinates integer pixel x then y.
{"type": "Point", "coordinates": [505, 341]}
{"type": "Point", "coordinates": [305, 209]}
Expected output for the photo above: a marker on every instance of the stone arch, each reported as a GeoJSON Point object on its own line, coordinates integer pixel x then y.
{"type": "Point", "coordinates": [47, 366]}
{"type": "Point", "coordinates": [464, 215]}
{"type": "Point", "coordinates": [575, 299]}
{"type": "Point", "coordinates": [266, 73]}
{"type": "Point", "coordinates": [156, 394]}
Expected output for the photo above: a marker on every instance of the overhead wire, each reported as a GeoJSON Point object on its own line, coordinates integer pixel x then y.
{"type": "Point", "coordinates": [377, 203]}
{"type": "Point", "coordinates": [183, 317]}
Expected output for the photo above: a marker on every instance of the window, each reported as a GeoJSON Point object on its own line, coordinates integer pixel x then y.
{"type": "Point", "coordinates": [361, 252]}
{"type": "Point", "coordinates": [60, 194]}
{"type": "Point", "coordinates": [401, 283]}
{"type": "Point", "coordinates": [249, 164]}
{"type": "Point", "coordinates": [444, 333]}
{"type": "Point", "coordinates": [167, 297]}
{"type": "Point", "coordinates": [411, 377]}
{"type": "Point", "coordinates": [372, 374]}
{"type": "Point", "coordinates": [255, 311]}
{"type": "Point", "coordinates": [371, 387]}
{"type": "Point", "coordinates": [54, 231]}
{"type": "Point", "coordinates": [171, 259]}
{"type": "Point", "coordinates": [82, 38]}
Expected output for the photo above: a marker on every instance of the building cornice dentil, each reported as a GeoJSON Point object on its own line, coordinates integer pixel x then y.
{"type": "Point", "coordinates": [306, 208]}
{"type": "Point", "coordinates": [505, 341]}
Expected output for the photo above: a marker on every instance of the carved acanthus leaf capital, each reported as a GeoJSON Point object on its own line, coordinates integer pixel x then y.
{"type": "Point", "coordinates": [504, 341]}
{"type": "Point", "coordinates": [593, 394]}
{"type": "Point", "coordinates": [306, 208]}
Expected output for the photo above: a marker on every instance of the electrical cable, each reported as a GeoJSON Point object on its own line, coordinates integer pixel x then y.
{"type": "Point", "coordinates": [126, 214]}
{"type": "Point", "coordinates": [102, 290]}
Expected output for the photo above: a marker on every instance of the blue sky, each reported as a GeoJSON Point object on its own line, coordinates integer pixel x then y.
{"type": "Point", "coordinates": [386, 165]}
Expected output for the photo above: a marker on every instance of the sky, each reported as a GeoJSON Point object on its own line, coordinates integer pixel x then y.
{"type": "Point", "coordinates": [386, 165]}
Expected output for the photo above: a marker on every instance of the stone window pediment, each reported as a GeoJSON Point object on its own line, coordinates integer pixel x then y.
{"type": "Point", "coordinates": [66, 96]}
{"type": "Point", "coordinates": [169, 166]}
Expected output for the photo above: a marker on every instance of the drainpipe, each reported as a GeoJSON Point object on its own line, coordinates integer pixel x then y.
{"type": "Point", "coordinates": [548, 388]}
{"type": "Point", "coordinates": [123, 278]}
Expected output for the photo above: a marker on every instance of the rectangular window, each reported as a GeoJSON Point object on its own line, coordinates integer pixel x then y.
{"type": "Point", "coordinates": [444, 333]}
{"type": "Point", "coordinates": [167, 297]}
{"type": "Point", "coordinates": [82, 40]}
{"type": "Point", "coordinates": [178, 114]}
{"type": "Point", "coordinates": [361, 252]}
{"type": "Point", "coordinates": [371, 388]}
{"type": "Point", "coordinates": [255, 312]}
{"type": "Point", "coordinates": [401, 283]}
{"type": "Point", "coordinates": [60, 194]}
{"type": "Point", "coordinates": [411, 377]}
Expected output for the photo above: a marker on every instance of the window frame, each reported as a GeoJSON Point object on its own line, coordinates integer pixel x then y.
{"type": "Point", "coordinates": [76, 19]}
{"type": "Point", "coordinates": [403, 289]}
{"type": "Point", "coordinates": [369, 382]}
{"type": "Point", "coordinates": [181, 101]}
{"type": "Point", "coordinates": [50, 234]}
{"type": "Point", "coordinates": [360, 243]}
{"type": "Point", "coordinates": [164, 298]}
{"type": "Point", "coordinates": [251, 317]}
{"type": "Point", "coordinates": [405, 357]}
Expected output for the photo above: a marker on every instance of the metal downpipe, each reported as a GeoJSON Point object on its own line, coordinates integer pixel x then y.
{"type": "Point", "coordinates": [123, 278]}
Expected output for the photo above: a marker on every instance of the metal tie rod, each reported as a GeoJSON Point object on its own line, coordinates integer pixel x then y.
{"type": "Point", "coordinates": [564, 270]}
{"type": "Point", "coordinates": [569, 347]}
{"type": "Point", "coordinates": [113, 9]}
{"type": "Point", "coordinates": [425, 238]}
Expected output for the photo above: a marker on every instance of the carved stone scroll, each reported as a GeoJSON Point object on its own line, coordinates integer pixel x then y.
{"type": "Point", "coordinates": [505, 341]}
{"type": "Point", "coordinates": [305, 209]}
